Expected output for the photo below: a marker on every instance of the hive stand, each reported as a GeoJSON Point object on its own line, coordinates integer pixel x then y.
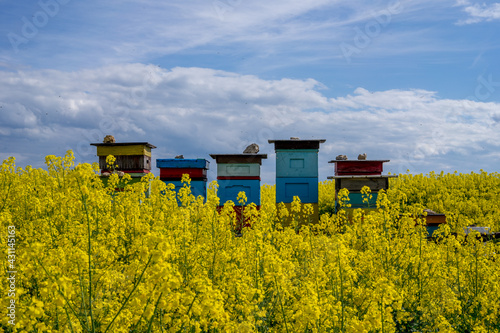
{"type": "Point", "coordinates": [172, 169]}
{"type": "Point", "coordinates": [133, 158]}
{"type": "Point", "coordinates": [297, 172]}
{"type": "Point", "coordinates": [238, 173]}
{"type": "Point", "coordinates": [353, 175]}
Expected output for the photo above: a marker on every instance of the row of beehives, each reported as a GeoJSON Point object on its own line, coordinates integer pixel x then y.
{"type": "Point", "coordinates": [296, 171]}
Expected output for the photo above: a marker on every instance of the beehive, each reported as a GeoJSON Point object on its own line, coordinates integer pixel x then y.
{"type": "Point", "coordinates": [353, 175]}
{"type": "Point", "coordinates": [433, 220]}
{"type": "Point", "coordinates": [172, 170]}
{"type": "Point", "coordinates": [297, 171]}
{"type": "Point", "coordinates": [238, 173]}
{"type": "Point", "coordinates": [133, 158]}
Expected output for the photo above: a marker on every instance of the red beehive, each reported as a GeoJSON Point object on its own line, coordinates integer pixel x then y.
{"type": "Point", "coordinates": [358, 167]}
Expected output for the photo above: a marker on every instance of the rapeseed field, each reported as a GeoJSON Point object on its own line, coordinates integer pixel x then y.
{"type": "Point", "coordinates": [89, 259]}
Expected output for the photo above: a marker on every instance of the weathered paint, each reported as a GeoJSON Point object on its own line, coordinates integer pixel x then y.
{"type": "Point", "coordinates": [238, 169]}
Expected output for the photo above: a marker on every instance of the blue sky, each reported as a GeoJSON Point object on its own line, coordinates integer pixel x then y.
{"type": "Point", "coordinates": [416, 82]}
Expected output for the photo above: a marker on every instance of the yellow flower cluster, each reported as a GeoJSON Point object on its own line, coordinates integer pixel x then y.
{"type": "Point", "coordinates": [89, 259]}
{"type": "Point", "coordinates": [466, 199]}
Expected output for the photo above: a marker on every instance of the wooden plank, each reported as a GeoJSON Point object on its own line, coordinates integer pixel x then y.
{"type": "Point", "coordinates": [356, 184]}
{"type": "Point", "coordinates": [124, 150]}
{"type": "Point", "coordinates": [132, 162]}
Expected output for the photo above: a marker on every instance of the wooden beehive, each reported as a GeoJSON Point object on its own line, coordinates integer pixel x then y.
{"type": "Point", "coordinates": [238, 173]}
{"type": "Point", "coordinates": [356, 174]}
{"type": "Point", "coordinates": [433, 220]}
{"type": "Point", "coordinates": [172, 170]}
{"type": "Point", "coordinates": [131, 157]}
{"type": "Point", "coordinates": [297, 170]}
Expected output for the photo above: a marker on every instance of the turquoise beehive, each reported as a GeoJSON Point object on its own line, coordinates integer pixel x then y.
{"type": "Point", "coordinates": [297, 170]}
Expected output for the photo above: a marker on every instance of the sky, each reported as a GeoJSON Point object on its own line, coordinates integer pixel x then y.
{"type": "Point", "coordinates": [416, 82]}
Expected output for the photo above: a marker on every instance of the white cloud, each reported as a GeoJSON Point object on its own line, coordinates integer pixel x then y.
{"type": "Point", "coordinates": [197, 111]}
{"type": "Point", "coordinates": [479, 12]}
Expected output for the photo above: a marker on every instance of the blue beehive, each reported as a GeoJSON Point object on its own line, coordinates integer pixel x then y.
{"type": "Point", "coordinates": [172, 169]}
{"type": "Point", "coordinates": [238, 173]}
{"type": "Point", "coordinates": [297, 170]}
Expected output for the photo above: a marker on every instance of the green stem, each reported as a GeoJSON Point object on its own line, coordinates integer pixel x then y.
{"type": "Point", "coordinates": [154, 313]}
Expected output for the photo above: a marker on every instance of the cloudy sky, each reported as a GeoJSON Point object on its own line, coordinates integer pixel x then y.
{"type": "Point", "coordinates": [413, 81]}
